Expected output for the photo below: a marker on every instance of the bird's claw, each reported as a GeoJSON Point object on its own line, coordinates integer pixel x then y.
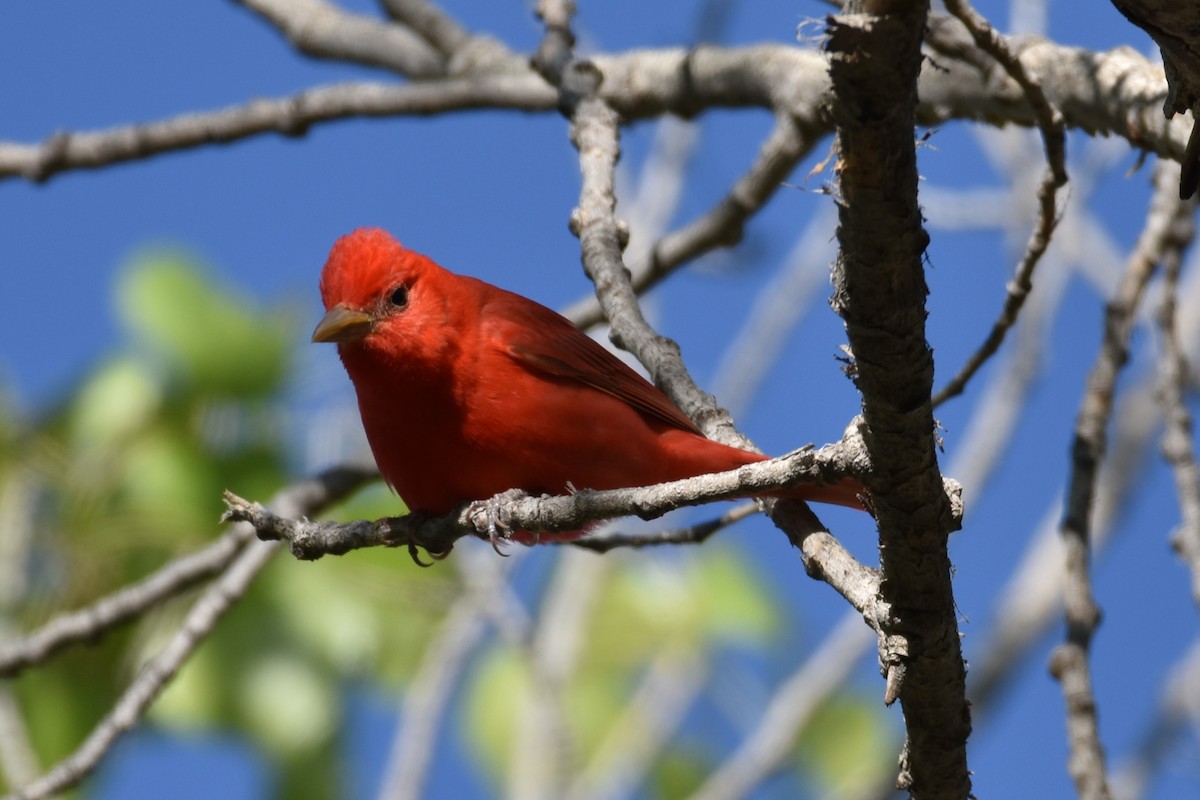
{"type": "Point", "coordinates": [497, 528]}
{"type": "Point", "coordinates": [415, 555]}
{"type": "Point", "coordinates": [499, 531]}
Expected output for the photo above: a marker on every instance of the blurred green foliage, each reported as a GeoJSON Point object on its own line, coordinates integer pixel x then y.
{"type": "Point", "coordinates": [126, 473]}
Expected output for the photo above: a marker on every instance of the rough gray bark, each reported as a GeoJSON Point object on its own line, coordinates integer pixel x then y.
{"type": "Point", "coordinates": [880, 291]}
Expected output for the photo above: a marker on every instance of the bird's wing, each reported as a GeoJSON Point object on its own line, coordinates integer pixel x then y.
{"type": "Point", "coordinates": [545, 342]}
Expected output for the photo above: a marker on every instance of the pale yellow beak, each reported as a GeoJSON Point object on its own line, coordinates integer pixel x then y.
{"type": "Point", "coordinates": [343, 324]}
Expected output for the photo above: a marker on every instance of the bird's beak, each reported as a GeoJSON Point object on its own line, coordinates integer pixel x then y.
{"type": "Point", "coordinates": [343, 324]}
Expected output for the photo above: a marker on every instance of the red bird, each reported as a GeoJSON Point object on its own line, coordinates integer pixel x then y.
{"type": "Point", "coordinates": [467, 390]}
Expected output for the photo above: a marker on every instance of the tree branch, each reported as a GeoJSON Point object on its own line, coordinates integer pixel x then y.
{"type": "Point", "coordinates": [724, 224]}
{"type": "Point", "coordinates": [325, 30]}
{"type": "Point", "coordinates": [431, 23]}
{"type": "Point", "coordinates": [154, 675]}
{"type": "Point", "coordinates": [673, 679]}
{"type": "Point", "coordinates": [1050, 123]}
{"type": "Point", "coordinates": [87, 625]}
{"type": "Point", "coordinates": [303, 498]}
{"type": "Point", "coordinates": [311, 539]}
{"type": "Point", "coordinates": [1114, 93]}
{"type": "Point", "coordinates": [880, 290]}
{"type": "Point", "coordinates": [695, 534]}
{"type": "Point", "coordinates": [428, 696]}
{"type": "Point", "coordinates": [1177, 445]}
{"type": "Point", "coordinates": [290, 116]}
{"type": "Point", "coordinates": [1069, 662]}
{"type": "Point", "coordinates": [767, 749]}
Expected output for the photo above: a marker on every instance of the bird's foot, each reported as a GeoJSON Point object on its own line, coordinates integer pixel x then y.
{"type": "Point", "coordinates": [496, 520]}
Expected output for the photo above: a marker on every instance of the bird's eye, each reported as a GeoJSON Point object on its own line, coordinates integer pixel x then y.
{"type": "Point", "coordinates": [399, 297]}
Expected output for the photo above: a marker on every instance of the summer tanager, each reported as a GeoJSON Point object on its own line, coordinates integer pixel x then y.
{"type": "Point", "coordinates": [467, 390]}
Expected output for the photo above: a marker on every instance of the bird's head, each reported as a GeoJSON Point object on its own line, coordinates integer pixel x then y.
{"type": "Point", "coordinates": [367, 284]}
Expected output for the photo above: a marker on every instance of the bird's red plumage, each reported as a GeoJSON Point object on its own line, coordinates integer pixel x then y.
{"type": "Point", "coordinates": [468, 390]}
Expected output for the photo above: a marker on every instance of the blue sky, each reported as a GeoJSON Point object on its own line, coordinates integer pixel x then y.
{"type": "Point", "coordinates": [489, 194]}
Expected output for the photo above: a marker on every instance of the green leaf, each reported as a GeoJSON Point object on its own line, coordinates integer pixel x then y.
{"type": "Point", "coordinates": [290, 706]}
{"type": "Point", "coordinates": [205, 335]}
{"type": "Point", "coordinates": [734, 600]}
{"type": "Point", "coordinates": [115, 402]}
{"type": "Point", "coordinates": [495, 697]}
{"type": "Point", "coordinates": [679, 773]}
{"type": "Point", "coordinates": [847, 746]}
{"type": "Point", "coordinates": [166, 477]}
{"type": "Point", "coordinates": [708, 598]}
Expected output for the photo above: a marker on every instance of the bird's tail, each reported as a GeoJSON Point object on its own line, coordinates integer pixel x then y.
{"type": "Point", "coordinates": [847, 492]}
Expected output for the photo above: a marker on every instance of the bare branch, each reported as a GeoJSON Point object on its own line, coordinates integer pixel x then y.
{"type": "Point", "coordinates": [290, 116]}
{"type": "Point", "coordinates": [696, 534]}
{"type": "Point", "coordinates": [18, 761]}
{"type": "Point", "coordinates": [554, 54]}
{"type": "Point", "coordinates": [1113, 93]}
{"type": "Point", "coordinates": [516, 511]}
{"type": "Point", "coordinates": [324, 30]}
{"type": "Point", "coordinates": [1050, 123]}
{"type": "Point", "coordinates": [1173, 376]}
{"type": "Point", "coordinates": [766, 750]}
{"type": "Point", "coordinates": [544, 752]}
{"type": "Point", "coordinates": [594, 132]}
{"type": "Point", "coordinates": [1069, 663]}
{"type": "Point", "coordinates": [432, 23]}
{"type": "Point", "coordinates": [154, 675]}
{"type": "Point", "coordinates": [656, 708]}
{"type": "Point", "coordinates": [428, 696]}
{"type": "Point", "coordinates": [1175, 28]}
{"type": "Point", "coordinates": [87, 625]}
{"type": "Point", "coordinates": [1178, 704]}
{"type": "Point", "coordinates": [724, 224]}
{"type": "Point", "coordinates": [303, 498]}
{"type": "Point", "coordinates": [880, 291]}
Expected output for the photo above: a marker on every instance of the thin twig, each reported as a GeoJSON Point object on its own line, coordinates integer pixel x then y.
{"type": "Point", "coordinates": [1177, 445]}
{"type": "Point", "coordinates": [325, 30]}
{"type": "Point", "coordinates": [431, 23]}
{"type": "Point", "coordinates": [655, 709]}
{"type": "Point", "coordinates": [18, 760]}
{"type": "Point", "coordinates": [694, 534]}
{"type": "Point", "coordinates": [555, 52]}
{"type": "Point", "coordinates": [154, 675]}
{"type": "Point", "coordinates": [428, 695]}
{"type": "Point", "coordinates": [1050, 123]}
{"type": "Point", "coordinates": [1070, 660]}
{"type": "Point", "coordinates": [544, 752]}
{"type": "Point", "coordinates": [1178, 710]}
{"type": "Point", "coordinates": [724, 224]}
{"type": "Point", "coordinates": [766, 749]}
{"type": "Point", "coordinates": [290, 116]}
{"type": "Point", "coordinates": [89, 624]}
